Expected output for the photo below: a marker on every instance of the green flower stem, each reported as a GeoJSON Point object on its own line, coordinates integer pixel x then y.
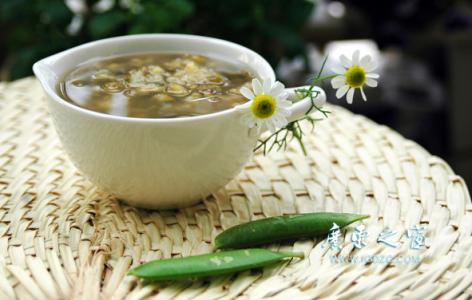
{"type": "Point", "coordinates": [326, 77]}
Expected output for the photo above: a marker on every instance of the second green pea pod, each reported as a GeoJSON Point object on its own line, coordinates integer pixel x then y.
{"type": "Point", "coordinates": [282, 228]}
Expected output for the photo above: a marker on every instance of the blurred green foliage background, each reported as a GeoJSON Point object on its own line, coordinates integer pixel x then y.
{"type": "Point", "coordinates": [35, 29]}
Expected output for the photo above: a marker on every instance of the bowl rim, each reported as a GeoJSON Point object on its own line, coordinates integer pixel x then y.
{"type": "Point", "coordinates": [45, 64]}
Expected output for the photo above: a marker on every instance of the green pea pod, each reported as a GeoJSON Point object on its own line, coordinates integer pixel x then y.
{"type": "Point", "coordinates": [275, 229]}
{"type": "Point", "coordinates": [206, 265]}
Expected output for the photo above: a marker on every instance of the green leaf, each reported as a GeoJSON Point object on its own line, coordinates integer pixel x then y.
{"type": "Point", "coordinates": [54, 12]}
{"type": "Point", "coordinates": [107, 23]}
{"type": "Point", "coordinates": [12, 9]}
{"type": "Point", "coordinates": [159, 16]}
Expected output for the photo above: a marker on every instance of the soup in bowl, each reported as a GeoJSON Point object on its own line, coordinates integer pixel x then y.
{"type": "Point", "coordinates": [151, 118]}
{"type": "Point", "coordinates": [156, 85]}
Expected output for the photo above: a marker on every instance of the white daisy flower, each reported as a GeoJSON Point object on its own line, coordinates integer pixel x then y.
{"type": "Point", "coordinates": [268, 107]}
{"type": "Point", "coordinates": [354, 74]}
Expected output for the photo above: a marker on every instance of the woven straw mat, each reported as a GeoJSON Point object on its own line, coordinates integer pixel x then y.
{"type": "Point", "coordinates": [61, 238]}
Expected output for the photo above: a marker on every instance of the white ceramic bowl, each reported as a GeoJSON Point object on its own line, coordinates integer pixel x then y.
{"type": "Point", "coordinates": [154, 163]}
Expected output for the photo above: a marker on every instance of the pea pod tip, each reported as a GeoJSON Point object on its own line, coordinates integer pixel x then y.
{"type": "Point", "coordinates": [300, 255]}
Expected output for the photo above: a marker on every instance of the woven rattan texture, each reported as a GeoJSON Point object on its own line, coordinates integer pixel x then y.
{"type": "Point", "coordinates": [62, 238]}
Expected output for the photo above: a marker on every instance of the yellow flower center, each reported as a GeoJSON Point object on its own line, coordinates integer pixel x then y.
{"type": "Point", "coordinates": [263, 106]}
{"type": "Point", "coordinates": [355, 76]}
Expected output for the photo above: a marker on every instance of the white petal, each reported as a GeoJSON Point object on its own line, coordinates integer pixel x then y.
{"type": "Point", "coordinates": [284, 112]}
{"type": "Point", "coordinates": [346, 62]}
{"type": "Point", "coordinates": [342, 91]}
{"type": "Point", "coordinates": [259, 123]}
{"type": "Point", "coordinates": [246, 93]}
{"type": "Point", "coordinates": [277, 89]}
{"type": "Point", "coordinates": [283, 104]}
{"type": "Point", "coordinates": [267, 85]}
{"type": "Point", "coordinates": [372, 65]}
{"type": "Point", "coordinates": [365, 61]}
{"type": "Point", "coordinates": [283, 96]}
{"type": "Point", "coordinates": [372, 75]}
{"type": "Point", "coordinates": [276, 124]}
{"type": "Point", "coordinates": [270, 125]}
{"type": "Point", "coordinates": [283, 122]}
{"type": "Point", "coordinates": [350, 95]}
{"type": "Point", "coordinates": [280, 121]}
{"type": "Point", "coordinates": [276, 120]}
{"type": "Point", "coordinates": [338, 70]}
{"type": "Point", "coordinates": [340, 78]}
{"type": "Point", "coordinates": [252, 122]}
{"type": "Point", "coordinates": [258, 130]}
{"type": "Point", "coordinates": [257, 86]}
{"type": "Point", "coordinates": [248, 120]}
{"type": "Point", "coordinates": [338, 82]}
{"type": "Point", "coordinates": [371, 82]}
{"type": "Point", "coordinates": [355, 57]}
{"type": "Point", "coordinates": [363, 94]}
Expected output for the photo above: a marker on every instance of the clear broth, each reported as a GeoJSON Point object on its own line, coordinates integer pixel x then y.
{"type": "Point", "coordinates": [156, 85]}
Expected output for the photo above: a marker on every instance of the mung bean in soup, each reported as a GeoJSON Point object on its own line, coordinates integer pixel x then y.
{"type": "Point", "coordinates": [156, 85]}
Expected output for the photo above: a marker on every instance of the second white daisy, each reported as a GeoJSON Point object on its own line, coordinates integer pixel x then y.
{"type": "Point", "coordinates": [354, 74]}
{"type": "Point", "coordinates": [268, 107]}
